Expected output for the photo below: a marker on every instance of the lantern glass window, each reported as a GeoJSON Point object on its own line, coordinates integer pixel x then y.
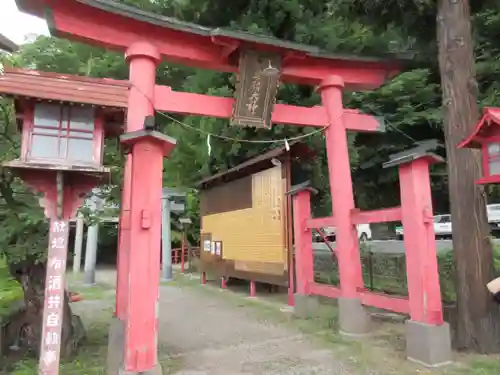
{"type": "Point", "coordinates": [63, 133]}
{"type": "Point", "coordinates": [495, 167]}
{"type": "Point", "coordinates": [494, 149]}
{"type": "Point", "coordinates": [494, 158]}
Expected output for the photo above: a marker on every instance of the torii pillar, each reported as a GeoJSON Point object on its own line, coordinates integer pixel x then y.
{"type": "Point", "coordinates": [354, 320]}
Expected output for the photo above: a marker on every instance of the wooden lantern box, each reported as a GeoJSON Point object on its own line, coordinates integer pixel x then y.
{"type": "Point", "coordinates": [63, 120]}
{"type": "Point", "coordinates": [62, 134]}
{"type": "Point", "coordinates": [486, 136]}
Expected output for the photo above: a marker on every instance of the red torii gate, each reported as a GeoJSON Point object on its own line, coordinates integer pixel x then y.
{"type": "Point", "coordinates": [146, 39]}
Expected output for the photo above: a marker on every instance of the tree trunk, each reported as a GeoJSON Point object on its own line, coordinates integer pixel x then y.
{"type": "Point", "coordinates": [25, 326]}
{"type": "Point", "coordinates": [478, 318]}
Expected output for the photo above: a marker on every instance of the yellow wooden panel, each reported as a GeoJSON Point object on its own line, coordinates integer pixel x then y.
{"type": "Point", "coordinates": [255, 234]}
{"type": "Point", "coordinates": [260, 267]}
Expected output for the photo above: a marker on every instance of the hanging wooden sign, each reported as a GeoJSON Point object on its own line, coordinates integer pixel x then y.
{"type": "Point", "coordinates": [256, 89]}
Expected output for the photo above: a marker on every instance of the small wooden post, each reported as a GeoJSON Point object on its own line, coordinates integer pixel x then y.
{"type": "Point", "coordinates": [253, 291]}
{"type": "Point", "coordinates": [419, 239]}
{"type": "Point", "coordinates": [304, 262]}
{"type": "Point", "coordinates": [189, 258]}
{"type": "Point", "coordinates": [427, 335]}
{"type": "Point", "coordinates": [183, 249]}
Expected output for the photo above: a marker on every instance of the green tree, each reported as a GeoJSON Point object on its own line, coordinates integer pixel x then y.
{"type": "Point", "coordinates": [451, 41]}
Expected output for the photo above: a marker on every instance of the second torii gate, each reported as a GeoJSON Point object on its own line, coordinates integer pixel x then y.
{"type": "Point", "coordinates": [147, 39]}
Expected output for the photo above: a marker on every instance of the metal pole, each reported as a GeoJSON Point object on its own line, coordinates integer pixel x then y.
{"type": "Point", "coordinates": [166, 242]}
{"type": "Point", "coordinates": [91, 254]}
{"type": "Point", "coordinates": [77, 260]}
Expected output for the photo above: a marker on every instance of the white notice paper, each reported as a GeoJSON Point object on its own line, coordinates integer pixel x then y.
{"type": "Point", "coordinates": [206, 245]}
{"type": "Point", "coordinates": [218, 248]}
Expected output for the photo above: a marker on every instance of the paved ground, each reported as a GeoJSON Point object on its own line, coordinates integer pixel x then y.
{"type": "Point", "coordinates": [211, 336]}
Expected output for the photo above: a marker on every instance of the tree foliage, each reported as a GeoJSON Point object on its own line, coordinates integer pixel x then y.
{"type": "Point", "coordinates": [442, 29]}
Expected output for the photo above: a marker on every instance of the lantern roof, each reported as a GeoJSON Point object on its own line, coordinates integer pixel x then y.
{"type": "Point", "coordinates": [491, 118]}
{"type": "Point", "coordinates": [117, 26]}
{"type": "Point", "coordinates": [304, 186]}
{"type": "Point", "coordinates": [423, 151]}
{"type": "Point", "coordinates": [33, 84]}
{"type": "Point", "coordinates": [7, 45]}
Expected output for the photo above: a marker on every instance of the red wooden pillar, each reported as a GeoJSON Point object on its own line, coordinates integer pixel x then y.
{"type": "Point", "coordinates": [146, 175]}
{"type": "Point", "coordinates": [142, 59]}
{"type": "Point", "coordinates": [304, 267]}
{"type": "Point", "coordinates": [419, 238]}
{"type": "Point", "coordinates": [305, 305]}
{"type": "Point", "coordinates": [339, 171]}
{"type": "Point", "coordinates": [427, 335]}
{"type": "Point", "coordinates": [353, 319]}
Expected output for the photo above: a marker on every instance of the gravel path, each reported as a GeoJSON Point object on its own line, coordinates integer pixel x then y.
{"type": "Point", "coordinates": [211, 336]}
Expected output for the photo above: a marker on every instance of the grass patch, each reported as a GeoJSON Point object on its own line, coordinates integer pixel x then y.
{"type": "Point", "coordinates": [95, 292]}
{"type": "Point", "coordinates": [10, 290]}
{"type": "Point", "coordinates": [92, 356]}
{"type": "Point", "coordinates": [382, 352]}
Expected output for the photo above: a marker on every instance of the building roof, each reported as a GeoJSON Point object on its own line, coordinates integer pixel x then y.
{"type": "Point", "coordinates": [116, 25]}
{"type": "Point", "coordinates": [491, 117]}
{"type": "Point", "coordinates": [19, 83]}
{"type": "Point", "coordinates": [256, 164]}
{"type": "Point", "coordinates": [7, 45]}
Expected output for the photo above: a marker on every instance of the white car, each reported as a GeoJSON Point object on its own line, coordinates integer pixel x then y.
{"type": "Point", "coordinates": [493, 211]}
{"type": "Point", "coordinates": [364, 233]}
{"type": "Point", "coordinates": [442, 223]}
{"type": "Point", "coordinates": [442, 227]}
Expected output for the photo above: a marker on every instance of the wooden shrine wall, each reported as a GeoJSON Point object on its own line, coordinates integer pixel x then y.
{"type": "Point", "coordinates": [243, 228]}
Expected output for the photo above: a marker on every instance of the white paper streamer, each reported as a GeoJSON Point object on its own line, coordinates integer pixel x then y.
{"type": "Point", "coordinates": [208, 145]}
{"type": "Point", "coordinates": [287, 146]}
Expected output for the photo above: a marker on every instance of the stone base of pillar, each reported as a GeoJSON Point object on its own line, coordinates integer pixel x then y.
{"type": "Point", "coordinates": [89, 278]}
{"type": "Point", "coordinates": [354, 320]}
{"type": "Point", "coordinates": [429, 345]}
{"type": "Point", "coordinates": [305, 306]}
{"type": "Point", "coordinates": [166, 274]}
{"type": "Point", "coordinates": [116, 343]}
{"type": "Point", "coordinates": [157, 370]}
